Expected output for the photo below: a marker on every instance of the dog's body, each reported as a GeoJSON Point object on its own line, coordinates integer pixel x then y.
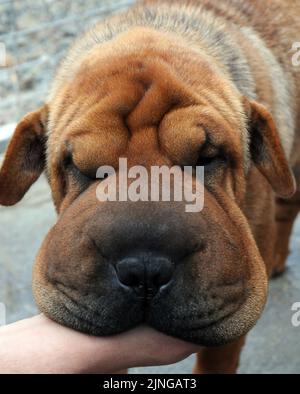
{"type": "Point", "coordinates": [158, 69]}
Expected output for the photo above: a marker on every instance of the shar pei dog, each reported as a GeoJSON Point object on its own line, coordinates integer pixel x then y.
{"type": "Point", "coordinates": [205, 83]}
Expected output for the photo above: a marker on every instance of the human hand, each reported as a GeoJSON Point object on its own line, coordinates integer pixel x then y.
{"type": "Point", "coordinates": [39, 345]}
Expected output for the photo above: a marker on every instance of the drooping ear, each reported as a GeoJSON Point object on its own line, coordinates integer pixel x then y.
{"type": "Point", "coordinates": [266, 150]}
{"type": "Point", "coordinates": [24, 159]}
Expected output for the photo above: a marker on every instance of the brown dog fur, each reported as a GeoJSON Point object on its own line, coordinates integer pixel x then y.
{"type": "Point", "coordinates": [162, 84]}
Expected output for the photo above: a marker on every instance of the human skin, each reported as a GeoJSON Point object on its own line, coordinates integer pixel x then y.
{"type": "Point", "coordinates": [39, 345]}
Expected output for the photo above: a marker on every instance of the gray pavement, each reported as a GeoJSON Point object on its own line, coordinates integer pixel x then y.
{"type": "Point", "coordinates": [273, 346]}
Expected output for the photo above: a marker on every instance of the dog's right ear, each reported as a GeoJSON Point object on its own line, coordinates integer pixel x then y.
{"type": "Point", "coordinates": [266, 150]}
{"type": "Point", "coordinates": [24, 159]}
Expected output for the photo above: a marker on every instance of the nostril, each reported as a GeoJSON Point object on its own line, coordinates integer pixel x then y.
{"type": "Point", "coordinates": [161, 272]}
{"type": "Point", "coordinates": [130, 272]}
{"type": "Point", "coordinates": [146, 274]}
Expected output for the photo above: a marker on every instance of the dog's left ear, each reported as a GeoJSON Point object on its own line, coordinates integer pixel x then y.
{"type": "Point", "coordinates": [24, 159]}
{"type": "Point", "coordinates": [266, 150]}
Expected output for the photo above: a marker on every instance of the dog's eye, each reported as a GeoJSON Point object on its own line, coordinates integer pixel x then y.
{"type": "Point", "coordinates": [74, 171]}
{"type": "Point", "coordinates": [211, 156]}
{"type": "Point", "coordinates": [204, 161]}
{"type": "Point", "coordinates": [210, 162]}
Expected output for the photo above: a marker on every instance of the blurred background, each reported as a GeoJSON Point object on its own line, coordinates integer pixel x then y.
{"type": "Point", "coordinates": [36, 34]}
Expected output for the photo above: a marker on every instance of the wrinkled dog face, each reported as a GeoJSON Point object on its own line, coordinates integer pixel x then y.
{"type": "Point", "coordinates": [108, 266]}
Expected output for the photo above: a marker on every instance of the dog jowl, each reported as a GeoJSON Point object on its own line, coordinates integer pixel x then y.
{"type": "Point", "coordinates": [167, 85]}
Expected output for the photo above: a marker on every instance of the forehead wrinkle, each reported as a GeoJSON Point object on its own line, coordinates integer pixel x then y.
{"type": "Point", "coordinates": [210, 132]}
{"type": "Point", "coordinates": [227, 112]}
{"type": "Point", "coordinates": [67, 118]}
{"type": "Point", "coordinates": [209, 115]}
{"type": "Point", "coordinates": [73, 96]}
{"type": "Point", "coordinates": [75, 118]}
{"type": "Point", "coordinates": [234, 118]}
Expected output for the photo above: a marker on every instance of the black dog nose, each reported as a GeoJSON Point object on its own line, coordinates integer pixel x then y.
{"type": "Point", "coordinates": [145, 275]}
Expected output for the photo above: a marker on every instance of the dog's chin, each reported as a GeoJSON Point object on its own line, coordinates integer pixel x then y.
{"type": "Point", "coordinates": [69, 312]}
{"type": "Point", "coordinates": [220, 329]}
{"type": "Point", "coordinates": [215, 332]}
{"type": "Point", "coordinates": [218, 333]}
